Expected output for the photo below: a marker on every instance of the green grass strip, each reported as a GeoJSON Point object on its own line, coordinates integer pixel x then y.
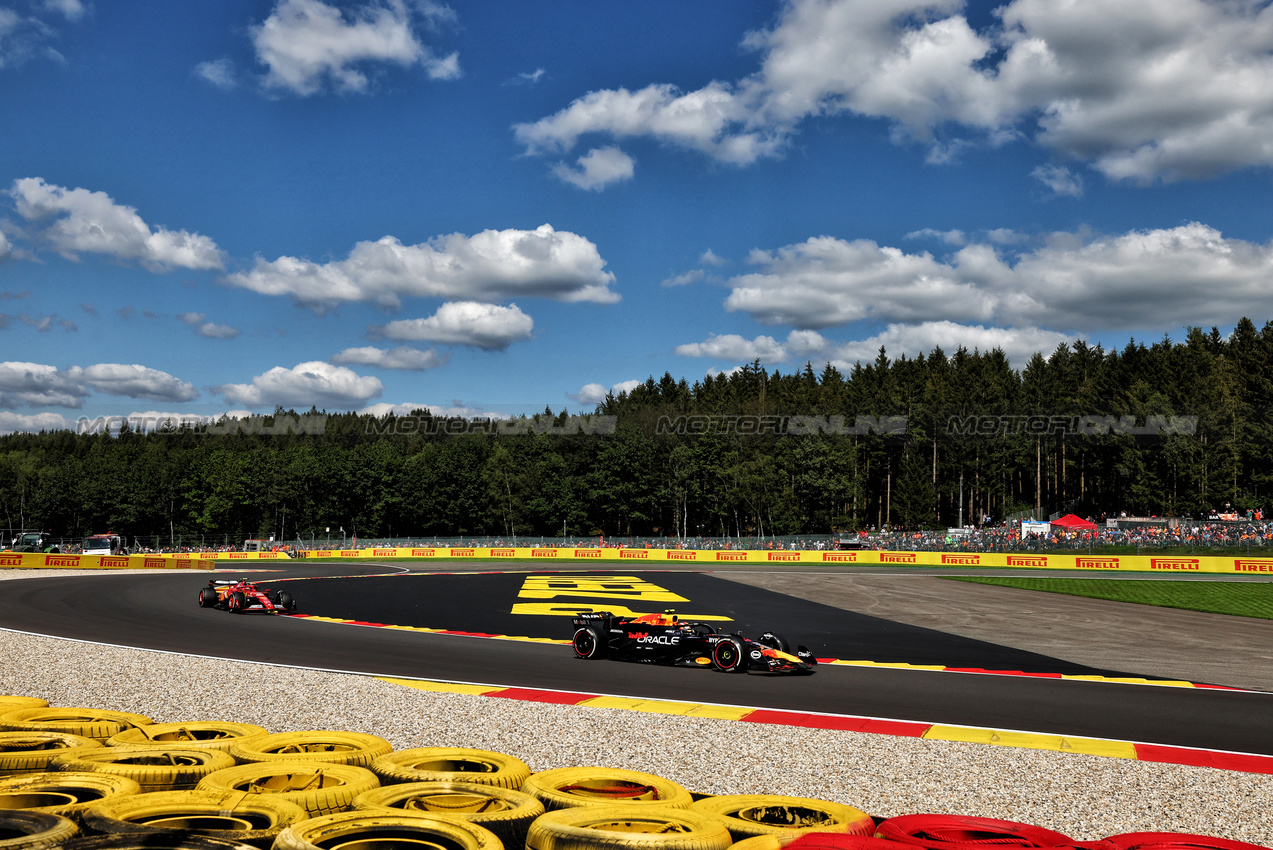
{"type": "Point", "coordinates": [1239, 598]}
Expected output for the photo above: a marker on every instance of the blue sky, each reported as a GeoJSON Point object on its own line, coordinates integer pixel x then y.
{"type": "Point", "coordinates": [494, 207]}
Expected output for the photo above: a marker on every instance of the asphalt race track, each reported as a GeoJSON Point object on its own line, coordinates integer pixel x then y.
{"type": "Point", "coordinates": [159, 611]}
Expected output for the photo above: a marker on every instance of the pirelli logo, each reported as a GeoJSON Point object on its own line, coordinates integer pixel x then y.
{"type": "Point", "coordinates": [383, 553]}
{"type": "Point", "coordinates": [422, 553]}
{"type": "Point", "coordinates": [1249, 566]}
{"type": "Point", "coordinates": [503, 553]}
{"type": "Point", "coordinates": [467, 553]}
{"type": "Point", "coordinates": [731, 556]}
{"type": "Point", "coordinates": [350, 553]}
{"type": "Point", "coordinates": [1173, 563]}
{"type": "Point", "coordinates": [63, 561]}
{"type": "Point", "coordinates": [897, 557]}
{"type": "Point", "coordinates": [1096, 563]}
{"type": "Point", "coordinates": [587, 553]}
{"type": "Point", "coordinates": [154, 563]}
{"type": "Point", "coordinates": [239, 555]}
{"type": "Point", "coordinates": [681, 556]}
{"type": "Point", "coordinates": [1027, 560]}
{"type": "Point", "coordinates": [10, 560]}
{"type": "Point", "coordinates": [784, 556]}
{"type": "Point", "coordinates": [541, 553]}
{"type": "Point", "coordinates": [638, 554]}
{"type": "Point", "coordinates": [961, 559]}
{"type": "Point", "coordinates": [267, 555]}
{"type": "Point", "coordinates": [840, 557]}
{"type": "Point", "coordinates": [209, 555]}
{"type": "Point", "coordinates": [115, 562]}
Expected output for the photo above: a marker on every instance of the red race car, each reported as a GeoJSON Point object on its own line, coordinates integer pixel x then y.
{"type": "Point", "coordinates": [242, 595]}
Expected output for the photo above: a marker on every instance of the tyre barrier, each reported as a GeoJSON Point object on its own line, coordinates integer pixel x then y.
{"type": "Point", "coordinates": [153, 770]}
{"type": "Point", "coordinates": [21, 830]}
{"type": "Point", "coordinates": [505, 812]}
{"type": "Point", "coordinates": [154, 842]}
{"type": "Point", "coordinates": [9, 702]}
{"type": "Point", "coordinates": [627, 828]}
{"type": "Point", "coordinates": [211, 735]}
{"type": "Point", "coordinates": [65, 794]}
{"type": "Point", "coordinates": [354, 748]}
{"type": "Point", "coordinates": [814, 840]}
{"type": "Point", "coordinates": [1176, 841]}
{"type": "Point", "coordinates": [748, 815]}
{"type": "Point", "coordinates": [320, 789]}
{"type": "Point", "coordinates": [31, 752]}
{"type": "Point", "coordinates": [254, 819]}
{"type": "Point", "coordinates": [962, 832]}
{"type": "Point", "coordinates": [571, 787]}
{"type": "Point", "coordinates": [399, 832]}
{"type": "Point", "coordinates": [94, 723]}
{"type": "Point", "coordinates": [451, 764]}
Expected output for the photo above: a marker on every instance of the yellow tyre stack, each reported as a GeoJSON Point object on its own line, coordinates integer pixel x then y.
{"type": "Point", "coordinates": [65, 794]}
{"type": "Point", "coordinates": [320, 789]}
{"type": "Point", "coordinates": [153, 770]}
{"type": "Point", "coordinates": [503, 811]}
{"type": "Point", "coordinates": [254, 819]}
{"type": "Point", "coordinates": [451, 764]}
{"type": "Point", "coordinates": [572, 787]}
{"type": "Point", "coordinates": [31, 752]}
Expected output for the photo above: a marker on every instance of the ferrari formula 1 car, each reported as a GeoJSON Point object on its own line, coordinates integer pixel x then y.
{"type": "Point", "coordinates": [242, 595]}
{"type": "Point", "coordinates": [666, 639]}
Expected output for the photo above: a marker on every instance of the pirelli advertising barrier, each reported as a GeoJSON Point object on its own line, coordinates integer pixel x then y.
{"type": "Point", "coordinates": [186, 560]}
{"type": "Point", "coordinates": [709, 558]}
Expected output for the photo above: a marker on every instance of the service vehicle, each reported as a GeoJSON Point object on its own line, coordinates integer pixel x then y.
{"type": "Point", "coordinates": [34, 541]}
{"type": "Point", "coordinates": [667, 639]}
{"type": "Point", "coordinates": [109, 543]}
{"type": "Point", "coordinates": [240, 596]}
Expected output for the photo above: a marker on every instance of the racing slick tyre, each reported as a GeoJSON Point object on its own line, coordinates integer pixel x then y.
{"type": "Point", "coordinates": [207, 597]}
{"type": "Point", "coordinates": [573, 787]}
{"type": "Point", "coordinates": [176, 841]}
{"type": "Point", "coordinates": [247, 818]}
{"type": "Point", "coordinates": [30, 830]}
{"type": "Point", "coordinates": [451, 764]}
{"type": "Point", "coordinates": [31, 752]}
{"type": "Point", "coordinates": [729, 655]}
{"type": "Point", "coordinates": [356, 748]}
{"type": "Point", "coordinates": [776, 641]}
{"type": "Point", "coordinates": [154, 770]}
{"type": "Point", "coordinates": [286, 602]}
{"type": "Point", "coordinates": [626, 828]}
{"type": "Point", "coordinates": [94, 723]}
{"type": "Point", "coordinates": [65, 794]}
{"type": "Point", "coordinates": [236, 602]}
{"type": "Point", "coordinates": [320, 789]}
{"type": "Point", "coordinates": [588, 643]}
{"type": "Point", "coordinates": [201, 735]}
{"type": "Point", "coordinates": [747, 815]}
{"type": "Point", "coordinates": [399, 831]}
{"type": "Point", "coordinates": [9, 702]}
{"type": "Point", "coordinates": [505, 812]}
{"type": "Point", "coordinates": [1175, 841]}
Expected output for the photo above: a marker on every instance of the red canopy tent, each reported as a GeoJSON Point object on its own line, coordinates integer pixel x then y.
{"type": "Point", "coordinates": [1070, 522]}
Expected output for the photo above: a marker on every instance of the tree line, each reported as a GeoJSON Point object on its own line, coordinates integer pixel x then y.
{"type": "Point", "coordinates": [1169, 428]}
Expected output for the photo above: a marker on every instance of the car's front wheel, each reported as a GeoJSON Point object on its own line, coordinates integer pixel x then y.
{"type": "Point", "coordinates": [588, 644]}
{"type": "Point", "coordinates": [236, 602]}
{"type": "Point", "coordinates": [729, 655]}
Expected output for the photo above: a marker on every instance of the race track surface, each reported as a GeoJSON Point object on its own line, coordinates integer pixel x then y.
{"type": "Point", "coordinates": [158, 611]}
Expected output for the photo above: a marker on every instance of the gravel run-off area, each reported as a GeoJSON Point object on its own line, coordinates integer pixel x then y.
{"type": "Point", "coordinates": [1085, 797]}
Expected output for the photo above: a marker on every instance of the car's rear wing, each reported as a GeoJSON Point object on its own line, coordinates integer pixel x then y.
{"type": "Point", "coordinates": [599, 620]}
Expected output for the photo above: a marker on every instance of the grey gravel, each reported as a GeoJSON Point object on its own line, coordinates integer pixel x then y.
{"type": "Point", "coordinates": [1085, 797]}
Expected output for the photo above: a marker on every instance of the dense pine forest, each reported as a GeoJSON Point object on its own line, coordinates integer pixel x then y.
{"type": "Point", "coordinates": [1171, 428]}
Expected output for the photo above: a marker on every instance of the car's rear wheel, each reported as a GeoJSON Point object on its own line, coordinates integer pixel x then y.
{"type": "Point", "coordinates": [729, 655]}
{"type": "Point", "coordinates": [588, 644]}
{"type": "Point", "coordinates": [207, 597]}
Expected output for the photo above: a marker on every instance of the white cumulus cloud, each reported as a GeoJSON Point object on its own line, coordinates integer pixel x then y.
{"type": "Point", "coordinates": [597, 169]}
{"type": "Point", "coordinates": [78, 220]}
{"type": "Point", "coordinates": [312, 384]}
{"type": "Point", "coordinates": [134, 381]}
{"type": "Point", "coordinates": [596, 393]}
{"type": "Point", "coordinates": [400, 357]}
{"type": "Point", "coordinates": [31, 423]}
{"type": "Point", "coordinates": [39, 385]}
{"type": "Point", "coordinates": [493, 265]}
{"type": "Point", "coordinates": [487, 326]}
{"type": "Point", "coordinates": [1140, 89]}
{"type": "Point", "coordinates": [308, 44]}
{"type": "Point", "coordinates": [211, 330]}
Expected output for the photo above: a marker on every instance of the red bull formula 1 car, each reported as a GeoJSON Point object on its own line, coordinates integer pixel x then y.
{"type": "Point", "coordinates": [666, 639]}
{"type": "Point", "coordinates": [242, 595]}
